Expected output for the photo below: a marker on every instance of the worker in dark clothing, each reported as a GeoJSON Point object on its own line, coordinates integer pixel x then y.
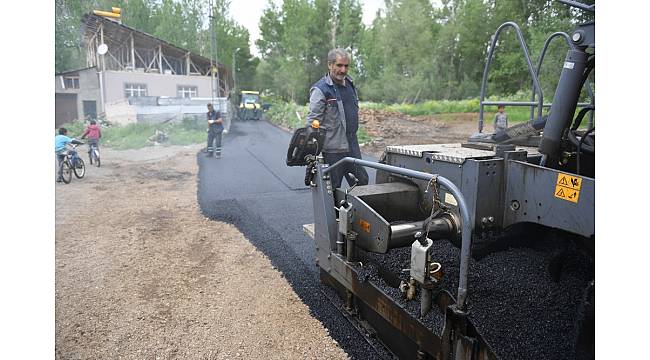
{"type": "Point", "coordinates": [333, 101]}
{"type": "Point", "coordinates": [215, 130]}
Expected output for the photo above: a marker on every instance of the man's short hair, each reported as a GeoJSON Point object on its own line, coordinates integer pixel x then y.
{"type": "Point", "coordinates": [63, 131]}
{"type": "Point", "coordinates": [334, 53]}
{"type": "Point", "coordinates": [209, 104]}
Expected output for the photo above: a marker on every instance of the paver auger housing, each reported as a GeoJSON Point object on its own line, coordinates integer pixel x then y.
{"type": "Point", "coordinates": [480, 250]}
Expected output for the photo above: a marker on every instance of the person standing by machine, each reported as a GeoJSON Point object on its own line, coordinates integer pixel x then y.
{"type": "Point", "coordinates": [500, 120]}
{"type": "Point", "coordinates": [333, 102]}
{"type": "Point", "coordinates": [215, 130]}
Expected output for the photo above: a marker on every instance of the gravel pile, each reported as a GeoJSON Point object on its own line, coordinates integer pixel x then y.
{"type": "Point", "coordinates": [525, 298]}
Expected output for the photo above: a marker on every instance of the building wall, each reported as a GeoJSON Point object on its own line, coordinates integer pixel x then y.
{"type": "Point", "coordinates": [121, 112]}
{"type": "Point", "coordinates": [157, 84]}
{"type": "Point", "coordinates": [65, 108]}
{"type": "Point", "coordinates": [88, 89]}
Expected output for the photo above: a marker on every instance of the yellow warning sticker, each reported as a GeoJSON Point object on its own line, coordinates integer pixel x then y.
{"type": "Point", "coordinates": [568, 187]}
{"type": "Point", "coordinates": [572, 182]}
{"type": "Point", "coordinates": [567, 193]}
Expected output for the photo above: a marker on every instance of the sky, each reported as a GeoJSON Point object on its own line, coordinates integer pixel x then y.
{"type": "Point", "coordinates": [248, 13]}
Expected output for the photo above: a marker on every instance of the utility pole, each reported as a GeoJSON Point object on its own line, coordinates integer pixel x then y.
{"type": "Point", "coordinates": [214, 60]}
{"type": "Point", "coordinates": [234, 69]}
{"type": "Point", "coordinates": [214, 64]}
{"type": "Point", "coordinates": [211, 17]}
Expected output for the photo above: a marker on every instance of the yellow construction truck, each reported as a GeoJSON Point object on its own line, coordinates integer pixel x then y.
{"type": "Point", "coordinates": [250, 107]}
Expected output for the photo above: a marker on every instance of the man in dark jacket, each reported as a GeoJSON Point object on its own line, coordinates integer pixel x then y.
{"type": "Point", "coordinates": [215, 130]}
{"type": "Point", "coordinates": [333, 101]}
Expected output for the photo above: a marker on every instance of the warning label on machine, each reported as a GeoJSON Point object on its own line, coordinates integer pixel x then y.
{"type": "Point", "coordinates": [568, 187]}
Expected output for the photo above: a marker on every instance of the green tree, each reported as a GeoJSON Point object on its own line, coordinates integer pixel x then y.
{"type": "Point", "coordinates": [401, 52]}
{"type": "Point", "coordinates": [348, 25]}
{"type": "Point", "coordinates": [231, 39]}
{"type": "Point", "coordinates": [68, 46]}
{"type": "Point", "coordinates": [294, 43]}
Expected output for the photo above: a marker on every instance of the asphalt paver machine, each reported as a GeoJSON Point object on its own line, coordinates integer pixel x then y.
{"type": "Point", "coordinates": [479, 250]}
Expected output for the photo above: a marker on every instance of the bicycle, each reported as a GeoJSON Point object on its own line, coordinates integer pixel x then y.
{"type": "Point", "coordinates": [93, 153]}
{"type": "Point", "coordinates": [72, 163]}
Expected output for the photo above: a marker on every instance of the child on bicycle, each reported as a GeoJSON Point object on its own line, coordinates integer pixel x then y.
{"type": "Point", "coordinates": [60, 143]}
{"type": "Point", "coordinates": [94, 133]}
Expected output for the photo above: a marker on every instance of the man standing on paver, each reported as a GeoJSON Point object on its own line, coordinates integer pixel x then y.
{"type": "Point", "coordinates": [333, 101]}
{"type": "Point", "coordinates": [215, 130]}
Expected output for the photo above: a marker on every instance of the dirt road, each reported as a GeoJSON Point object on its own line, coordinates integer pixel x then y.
{"type": "Point", "coordinates": [141, 274]}
{"type": "Point", "coordinates": [389, 128]}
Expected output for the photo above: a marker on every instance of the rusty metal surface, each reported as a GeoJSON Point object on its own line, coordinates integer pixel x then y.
{"type": "Point", "coordinates": [383, 305]}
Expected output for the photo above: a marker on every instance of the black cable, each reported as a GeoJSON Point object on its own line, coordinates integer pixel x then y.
{"type": "Point", "coordinates": [582, 139]}
{"type": "Point", "coordinates": [591, 149]}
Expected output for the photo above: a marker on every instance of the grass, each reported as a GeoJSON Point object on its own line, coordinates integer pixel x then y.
{"type": "Point", "coordinates": [433, 107]}
{"type": "Point", "coordinates": [135, 136]}
{"type": "Point", "coordinates": [515, 114]}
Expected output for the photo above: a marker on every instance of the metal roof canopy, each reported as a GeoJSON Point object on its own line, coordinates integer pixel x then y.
{"type": "Point", "coordinates": [129, 49]}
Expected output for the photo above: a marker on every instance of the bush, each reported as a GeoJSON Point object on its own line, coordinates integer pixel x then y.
{"type": "Point", "coordinates": [432, 107]}
{"type": "Point", "coordinates": [284, 114]}
{"type": "Point", "coordinates": [135, 136]}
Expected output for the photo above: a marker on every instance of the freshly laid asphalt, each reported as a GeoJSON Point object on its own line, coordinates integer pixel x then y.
{"type": "Point", "coordinates": [251, 187]}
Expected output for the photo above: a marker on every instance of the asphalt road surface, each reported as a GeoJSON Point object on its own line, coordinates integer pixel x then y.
{"type": "Point", "coordinates": [251, 187]}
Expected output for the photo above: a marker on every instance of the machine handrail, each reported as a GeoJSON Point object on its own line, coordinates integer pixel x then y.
{"type": "Point", "coordinates": [522, 43]}
{"type": "Point", "coordinates": [466, 233]}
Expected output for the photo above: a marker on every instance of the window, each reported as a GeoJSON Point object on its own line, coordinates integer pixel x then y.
{"type": "Point", "coordinates": [71, 82]}
{"type": "Point", "coordinates": [250, 99]}
{"type": "Point", "coordinates": [186, 91]}
{"type": "Point", "coordinates": [135, 90]}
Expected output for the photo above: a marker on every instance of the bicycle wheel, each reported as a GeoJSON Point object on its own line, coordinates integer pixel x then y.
{"type": "Point", "coordinates": [66, 171]}
{"type": "Point", "coordinates": [96, 156]}
{"type": "Point", "coordinates": [79, 169]}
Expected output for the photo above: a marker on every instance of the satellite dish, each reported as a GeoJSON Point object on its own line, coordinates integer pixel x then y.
{"type": "Point", "coordinates": [102, 49]}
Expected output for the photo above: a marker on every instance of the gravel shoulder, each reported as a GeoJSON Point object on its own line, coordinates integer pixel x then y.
{"type": "Point", "coordinates": [142, 274]}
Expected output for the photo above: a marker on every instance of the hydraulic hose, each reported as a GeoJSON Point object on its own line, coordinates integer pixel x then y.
{"type": "Point", "coordinates": [582, 139]}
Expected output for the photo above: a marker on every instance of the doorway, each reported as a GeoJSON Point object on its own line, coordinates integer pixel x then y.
{"type": "Point", "coordinates": [90, 109]}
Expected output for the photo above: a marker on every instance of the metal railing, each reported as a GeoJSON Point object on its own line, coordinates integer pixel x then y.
{"type": "Point", "coordinates": [466, 233]}
{"type": "Point", "coordinates": [534, 73]}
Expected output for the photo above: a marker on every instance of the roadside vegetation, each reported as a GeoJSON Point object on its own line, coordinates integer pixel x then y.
{"type": "Point", "coordinates": [291, 115]}
{"type": "Point", "coordinates": [139, 135]}
{"type": "Point", "coordinates": [416, 57]}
